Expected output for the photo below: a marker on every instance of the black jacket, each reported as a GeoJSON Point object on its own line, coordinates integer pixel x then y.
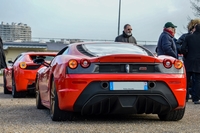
{"type": "Point", "coordinates": [2, 55]}
{"type": "Point", "coordinates": [125, 38]}
{"type": "Point", "coordinates": [190, 50]}
{"type": "Point", "coordinates": [180, 41]}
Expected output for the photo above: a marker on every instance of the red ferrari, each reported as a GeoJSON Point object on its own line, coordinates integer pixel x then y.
{"type": "Point", "coordinates": [19, 78]}
{"type": "Point", "coordinates": [100, 78]}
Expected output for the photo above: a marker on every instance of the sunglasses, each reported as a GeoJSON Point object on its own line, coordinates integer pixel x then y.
{"type": "Point", "coordinates": [129, 29]}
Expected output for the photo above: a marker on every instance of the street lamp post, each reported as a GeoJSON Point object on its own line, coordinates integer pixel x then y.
{"type": "Point", "coordinates": [119, 16]}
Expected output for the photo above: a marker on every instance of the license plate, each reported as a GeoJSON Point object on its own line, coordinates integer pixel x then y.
{"type": "Point", "coordinates": [128, 86]}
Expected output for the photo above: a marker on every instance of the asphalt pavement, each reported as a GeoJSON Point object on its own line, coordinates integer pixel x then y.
{"type": "Point", "coordinates": [20, 115]}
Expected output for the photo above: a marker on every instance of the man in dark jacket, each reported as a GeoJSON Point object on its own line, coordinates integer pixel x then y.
{"type": "Point", "coordinates": [181, 39]}
{"type": "Point", "coordinates": [190, 49]}
{"type": "Point", "coordinates": [166, 44]}
{"type": "Point", "coordinates": [2, 55]}
{"type": "Point", "coordinates": [126, 36]}
{"type": "Point", "coordinates": [179, 43]}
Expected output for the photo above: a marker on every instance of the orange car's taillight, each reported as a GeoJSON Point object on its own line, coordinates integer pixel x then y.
{"type": "Point", "coordinates": [73, 64]}
{"type": "Point", "coordinates": [167, 63]}
{"type": "Point", "coordinates": [23, 65]}
{"type": "Point", "coordinates": [85, 63]}
{"type": "Point", "coordinates": [178, 64]}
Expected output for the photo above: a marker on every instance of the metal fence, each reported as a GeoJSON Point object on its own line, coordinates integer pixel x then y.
{"type": "Point", "coordinates": [67, 40]}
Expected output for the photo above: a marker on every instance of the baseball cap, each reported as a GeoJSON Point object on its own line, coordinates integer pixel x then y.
{"type": "Point", "coordinates": [170, 24]}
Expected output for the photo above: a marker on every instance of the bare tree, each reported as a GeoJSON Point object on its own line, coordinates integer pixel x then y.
{"type": "Point", "coordinates": [196, 7]}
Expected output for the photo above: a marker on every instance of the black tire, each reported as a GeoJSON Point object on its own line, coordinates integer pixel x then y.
{"type": "Point", "coordinates": [5, 89]}
{"type": "Point", "coordinates": [55, 112]}
{"type": "Point", "coordinates": [174, 115]}
{"type": "Point", "coordinates": [16, 94]}
{"type": "Point", "coordinates": [38, 98]}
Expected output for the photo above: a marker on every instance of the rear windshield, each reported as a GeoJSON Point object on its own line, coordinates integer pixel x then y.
{"type": "Point", "coordinates": [107, 49]}
{"type": "Point", "coordinates": [45, 57]}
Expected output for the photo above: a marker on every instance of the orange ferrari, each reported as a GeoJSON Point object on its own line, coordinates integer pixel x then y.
{"type": "Point", "coordinates": [100, 78]}
{"type": "Point", "coordinates": [19, 78]}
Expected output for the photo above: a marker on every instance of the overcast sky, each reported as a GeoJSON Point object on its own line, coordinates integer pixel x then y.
{"type": "Point", "coordinates": [96, 19]}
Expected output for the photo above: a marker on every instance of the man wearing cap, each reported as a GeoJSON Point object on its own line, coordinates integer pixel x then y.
{"type": "Point", "coordinates": [166, 44]}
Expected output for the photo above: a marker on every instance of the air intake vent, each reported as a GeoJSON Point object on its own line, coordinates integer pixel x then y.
{"type": "Point", "coordinates": [82, 50]}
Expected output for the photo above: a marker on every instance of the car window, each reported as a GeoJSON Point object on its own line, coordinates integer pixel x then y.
{"type": "Point", "coordinates": [17, 58]}
{"type": "Point", "coordinates": [63, 51]}
{"type": "Point", "coordinates": [45, 57]}
{"type": "Point", "coordinates": [49, 58]}
{"type": "Point", "coordinates": [107, 49]}
{"type": "Point", "coordinates": [66, 51]}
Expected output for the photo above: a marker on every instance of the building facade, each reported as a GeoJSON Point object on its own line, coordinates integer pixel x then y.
{"type": "Point", "coordinates": [13, 49]}
{"type": "Point", "coordinates": [15, 32]}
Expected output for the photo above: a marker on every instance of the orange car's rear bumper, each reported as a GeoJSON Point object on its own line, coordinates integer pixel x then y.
{"type": "Point", "coordinates": [24, 79]}
{"type": "Point", "coordinates": [73, 87]}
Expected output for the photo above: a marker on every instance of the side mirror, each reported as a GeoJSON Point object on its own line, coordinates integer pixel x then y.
{"type": "Point", "coordinates": [10, 62]}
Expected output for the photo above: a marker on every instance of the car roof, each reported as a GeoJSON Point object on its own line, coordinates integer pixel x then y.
{"type": "Point", "coordinates": [99, 42]}
{"type": "Point", "coordinates": [41, 53]}
{"type": "Point", "coordinates": [74, 45]}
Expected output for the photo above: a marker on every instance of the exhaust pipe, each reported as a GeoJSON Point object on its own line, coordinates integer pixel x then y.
{"type": "Point", "coordinates": [104, 85]}
{"type": "Point", "coordinates": [151, 85]}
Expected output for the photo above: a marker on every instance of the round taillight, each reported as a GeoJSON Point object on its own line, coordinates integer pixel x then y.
{"type": "Point", "coordinates": [73, 64]}
{"type": "Point", "coordinates": [167, 63]}
{"type": "Point", "coordinates": [178, 64]}
{"type": "Point", "coordinates": [23, 65]}
{"type": "Point", "coordinates": [85, 63]}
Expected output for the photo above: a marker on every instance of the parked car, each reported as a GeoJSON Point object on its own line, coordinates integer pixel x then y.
{"type": "Point", "coordinates": [19, 77]}
{"type": "Point", "coordinates": [100, 78]}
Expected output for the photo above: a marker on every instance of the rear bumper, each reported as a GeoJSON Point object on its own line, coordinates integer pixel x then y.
{"type": "Point", "coordinates": [25, 81]}
{"type": "Point", "coordinates": [95, 101]}
{"type": "Point", "coordinates": [124, 104]}
{"type": "Point", "coordinates": [88, 97]}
